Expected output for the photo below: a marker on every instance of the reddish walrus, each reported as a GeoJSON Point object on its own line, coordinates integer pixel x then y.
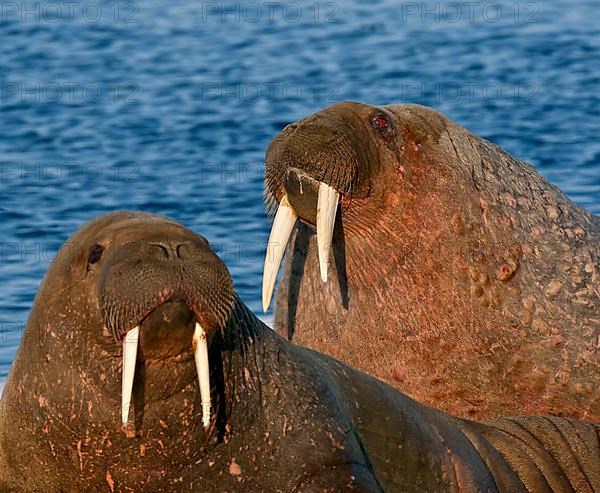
{"type": "Point", "coordinates": [451, 270]}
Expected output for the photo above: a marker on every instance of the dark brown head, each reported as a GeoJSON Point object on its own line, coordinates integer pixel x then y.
{"type": "Point", "coordinates": [120, 275]}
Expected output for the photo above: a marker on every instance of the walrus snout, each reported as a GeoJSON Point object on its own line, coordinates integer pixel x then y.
{"type": "Point", "coordinates": [328, 147]}
{"type": "Point", "coordinates": [141, 275]}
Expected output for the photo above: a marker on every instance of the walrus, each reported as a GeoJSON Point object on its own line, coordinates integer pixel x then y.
{"type": "Point", "coordinates": [434, 260]}
{"type": "Point", "coordinates": [281, 417]}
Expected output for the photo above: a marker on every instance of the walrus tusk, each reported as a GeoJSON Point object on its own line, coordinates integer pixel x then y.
{"type": "Point", "coordinates": [130, 346]}
{"type": "Point", "coordinates": [278, 240]}
{"type": "Point", "coordinates": [326, 210]}
{"type": "Point", "coordinates": [201, 357]}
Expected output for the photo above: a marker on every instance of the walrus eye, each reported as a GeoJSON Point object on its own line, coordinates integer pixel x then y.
{"type": "Point", "coordinates": [95, 254]}
{"type": "Point", "coordinates": [380, 122]}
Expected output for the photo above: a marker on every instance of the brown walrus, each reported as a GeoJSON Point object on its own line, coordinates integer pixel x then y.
{"type": "Point", "coordinates": [458, 274]}
{"type": "Point", "coordinates": [282, 418]}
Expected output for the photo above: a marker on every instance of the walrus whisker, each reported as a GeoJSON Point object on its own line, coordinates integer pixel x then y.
{"type": "Point", "coordinates": [201, 357]}
{"type": "Point", "coordinates": [326, 210]}
{"type": "Point", "coordinates": [284, 222]}
{"type": "Point", "coordinates": [130, 346]}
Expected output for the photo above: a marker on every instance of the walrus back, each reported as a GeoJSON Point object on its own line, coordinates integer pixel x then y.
{"type": "Point", "coordinates": [433, 451]}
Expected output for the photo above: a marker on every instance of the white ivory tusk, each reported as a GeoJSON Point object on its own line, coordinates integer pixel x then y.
{"type": "Point", "coordinates": [284, 222]}
{"type": "Point", "coordinates": [201, 357]}
{"type": "Point", "coordinates": [130, 346]}
{"type": "Point", "coordinates": [326, 210]}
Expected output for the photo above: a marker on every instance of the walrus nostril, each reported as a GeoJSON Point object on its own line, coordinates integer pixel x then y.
{"type": "Point", "coordinates": [184, 250]}
{"type": "Point", "coordinates": [171, 250]}
{"type": "Point", "coordinates": [162, 250]}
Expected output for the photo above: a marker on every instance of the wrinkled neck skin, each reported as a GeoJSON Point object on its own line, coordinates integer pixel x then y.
{"type": "Point", "coordinates": [61, 411]}
{"type": "Point", "coordinates": [471, 285]}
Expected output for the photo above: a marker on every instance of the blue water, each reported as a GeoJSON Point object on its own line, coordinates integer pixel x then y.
{"type": "Point", "coordinates": [169, 107]}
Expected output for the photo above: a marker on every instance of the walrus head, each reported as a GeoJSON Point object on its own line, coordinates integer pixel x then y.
{"type": "Point", "coordinates": [158, 286]}
{"type": "Point", "coordinates": [147, 286]}
{"type": "Point", "coordinates": [346, 154]}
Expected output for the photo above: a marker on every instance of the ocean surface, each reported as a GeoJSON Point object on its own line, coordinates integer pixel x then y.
{"type": "Point", "coordinates": [169, 107]}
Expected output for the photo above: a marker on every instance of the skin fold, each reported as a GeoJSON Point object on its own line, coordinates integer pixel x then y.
{"type": "Point", "coordinates": [458, 274]}
{"type": "Point", "coordinates": [285, 418]}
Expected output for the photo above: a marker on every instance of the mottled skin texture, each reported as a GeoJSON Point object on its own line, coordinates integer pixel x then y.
{"type": "Point", "coordinates": [459, 275]}
{"type": "Point", "coordinates": [287, 419]}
